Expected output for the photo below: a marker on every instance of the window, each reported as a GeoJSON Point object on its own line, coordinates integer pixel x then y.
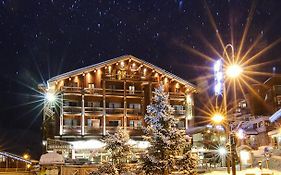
{"type": "Point", "coordinates": [91, 85]}
{"type": "Point", "coordinates": [112, 86]}
{"type": "Point", "coordinates": [94, 104]}
{"type": "Point", "coordinates": [114, 123]}
{"type": "Point", "coordinates": [181, 124]}
{"type": "Point", "coordinates": [134, 106]}
{"type": "Point", "coordinates": [131, 89]}
{"type": "Point", "coordinates": [95, 123]}
{"type": "Point", "coordinates": [67, 122]}
{"type": "Point", "coordinates": [139, 124]}
{"type": "Point", "coordinates": [135, 123]}
{"type": "Point", "coordinates": [131, 123]}
{"type": "Point", "coordinates": [2, 158]}
{"type": "Point", "coordinates": [278, 100]}
{"type": "Point", "coordinates": [114, 105]}
{"type": "Point", "coordinates": [73, 84]}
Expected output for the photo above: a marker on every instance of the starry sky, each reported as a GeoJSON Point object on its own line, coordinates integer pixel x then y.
{"type": "Point", "coordinates": [43, 38]}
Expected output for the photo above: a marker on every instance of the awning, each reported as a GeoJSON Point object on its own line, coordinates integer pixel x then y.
{"type": "Point", "coordinates": [275, 116]}
{"type": "Point", "coordinates": [51, 158]}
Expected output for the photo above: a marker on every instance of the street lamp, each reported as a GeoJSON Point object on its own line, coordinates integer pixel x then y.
{"type": "Point", "coordinates": [222, 151]}
{"type": "Point", "coordinates": [217, 118]}
{"type": "Point", "coordinates": [26, 156]}
{"type": "Point", "coordinates": [50, 97]}
{"type": "Point", "coordinates": [234, 70]}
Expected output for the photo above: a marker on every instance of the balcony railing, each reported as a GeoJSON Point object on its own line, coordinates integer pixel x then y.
{"type": "Point", "coordinates": [134, 111]}
{"type": "Point", "coordinates": [71, 129]}
{"type": "Point", "coordinates": [72, 109]}
{"type": "Point", "coordinates": [114, 92]}
{"type": "Point", "coordinates": [93, 130]}
{"type": "Point", "coordinates": [179, 112]}
{"type": "Point", "coordinates": [68, 89]}
{"type": "Point", "coordinates": [95, 110]}
{"type": "Point", "coordinates": [93, 91]}
{"type": "Point", "coordinates": [176, 94]}
{"type": "Point", "coordinates": [114, 110]}
{"type": "Point", "coordinates": [135, 93]}
{"type": "Point", "coordinates": [135, 131]}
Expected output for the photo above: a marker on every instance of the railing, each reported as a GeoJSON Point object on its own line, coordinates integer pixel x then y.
{"type": "Point", "coordinates": [134, 111]}
{"type": "Point", "coordinates": [135, 93]}
{"type": "Point", "coordinates": [93, 91]}
{"type": "Point", "coordinates": [176, 95]}
{"type": "Point", "coordinates": [68, 89]}
{"type": "Point", "coordinates": [93, 109]}
{"type": "Point", "coordinates": [93, 130]}
{"type": "Point", "coordinates": [72, 109]}
{"type": "Point", "coordinates": [114, 110]}
{"type": "Point", "coordinates": [71, 129]}
{"type": "Point", "coordinates": [114, 92]}
{"type": "Point", "coordinates": [179, 112]}
{"type": "Point", "coordinates": [135, 131]}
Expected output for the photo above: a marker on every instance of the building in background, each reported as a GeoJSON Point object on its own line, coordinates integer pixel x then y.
{"type": "Point", "coordinates": [258, 113]}
{"type": "Point", "coordinates": [83, 105]}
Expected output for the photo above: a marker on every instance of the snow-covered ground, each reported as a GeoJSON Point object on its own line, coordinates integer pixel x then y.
{"type": "Point", "coordinates": [251, 171]}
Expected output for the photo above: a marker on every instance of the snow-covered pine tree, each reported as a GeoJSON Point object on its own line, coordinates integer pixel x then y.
{"type": "Point", "coordinates": [117, 144]}
{"type": "Point", "coordinates": [120, 150]}
{"type": "Point", "coordinates": [169, 146]}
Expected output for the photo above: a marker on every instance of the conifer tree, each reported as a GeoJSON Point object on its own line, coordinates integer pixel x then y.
{"type": "Point", "coordinates": [169, 149]}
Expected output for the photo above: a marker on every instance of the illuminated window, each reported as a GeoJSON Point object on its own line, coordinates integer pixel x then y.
{"type": "Point", "coordinates": [131, 89]}
{"type": "Point", "coordinates": [131, 123]}
{"type": "Point", "coordinates": [114, 123]}
{"type": "Point", "coordinates": [139, 124]}
{"type": "Point", "coordinates": [91, 85]}
{"type": "Point", "coordinates": [279, 100]}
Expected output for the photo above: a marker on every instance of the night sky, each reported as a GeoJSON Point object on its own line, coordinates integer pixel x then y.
{"type": "Point", "coordinates": [43, 38]}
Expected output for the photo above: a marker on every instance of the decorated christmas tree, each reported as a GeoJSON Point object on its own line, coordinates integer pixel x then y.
{"type": "Point", "coordinates": [120, 150]}
{"type": "Point", "coordinates": [169, 149]}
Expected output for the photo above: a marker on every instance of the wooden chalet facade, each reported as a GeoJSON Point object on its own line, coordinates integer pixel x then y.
{"type": "Point", "coordinates": [97, 99]}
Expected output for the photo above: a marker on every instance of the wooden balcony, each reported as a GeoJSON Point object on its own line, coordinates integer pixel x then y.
{"type": "Point", "coordinates": [93, 91]}
{"type": "Point", "coordinates": [114, 110]}
{"type": "Point", "coordinates": [118, 92]}
{"type": "Point", "coordinates": [135, 131]}
{"type": "Point", "coordinates": [72, 110]}
{"type": "Point", "coordinates": [93, 130]}
{"type": "Point", "coordinates": [135, 93]}
{"type": "Point", "coordinates": [94, 110]}
{"type": "Point", "coordinates": [176, 96]}
{"type": "Point", "coordinates": [71, 130]}
{"type": "Point", "coordinates": [133, 111]}
{"type": "Point", "coordinates": [179, 112]}
{"type": "Point", "coordinates": [73, 90]}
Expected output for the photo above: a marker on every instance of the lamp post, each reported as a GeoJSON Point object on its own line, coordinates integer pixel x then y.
{"type": "Point", "coordinates": [232, 71]}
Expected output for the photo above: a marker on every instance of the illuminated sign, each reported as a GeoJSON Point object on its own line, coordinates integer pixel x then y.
{"type": "Point", "coordinates": [218, 74]}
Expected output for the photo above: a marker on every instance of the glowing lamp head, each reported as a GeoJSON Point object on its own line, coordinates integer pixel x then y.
{"type": "Point", "coordinates": [26, 156]}
{"type": "Point", "coordinates": [50, 97]}
{"type": "Point", "coordinates": [217, 118]}
{"type": "Point", "coordinates": [234, 70]}
{"type": "Point", "coordinates": [222, 151]}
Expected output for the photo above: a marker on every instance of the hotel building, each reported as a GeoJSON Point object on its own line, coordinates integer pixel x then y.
{"type": "Point", "coordinates": [89, 102]}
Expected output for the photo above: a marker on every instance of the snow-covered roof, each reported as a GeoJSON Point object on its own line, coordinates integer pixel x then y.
{"type": "Point", "coordinates": [114, 60]}
{"type": "Point", "coordinates": [275, 116]}
{"type": "Point", "coordinates": [51, 158]}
